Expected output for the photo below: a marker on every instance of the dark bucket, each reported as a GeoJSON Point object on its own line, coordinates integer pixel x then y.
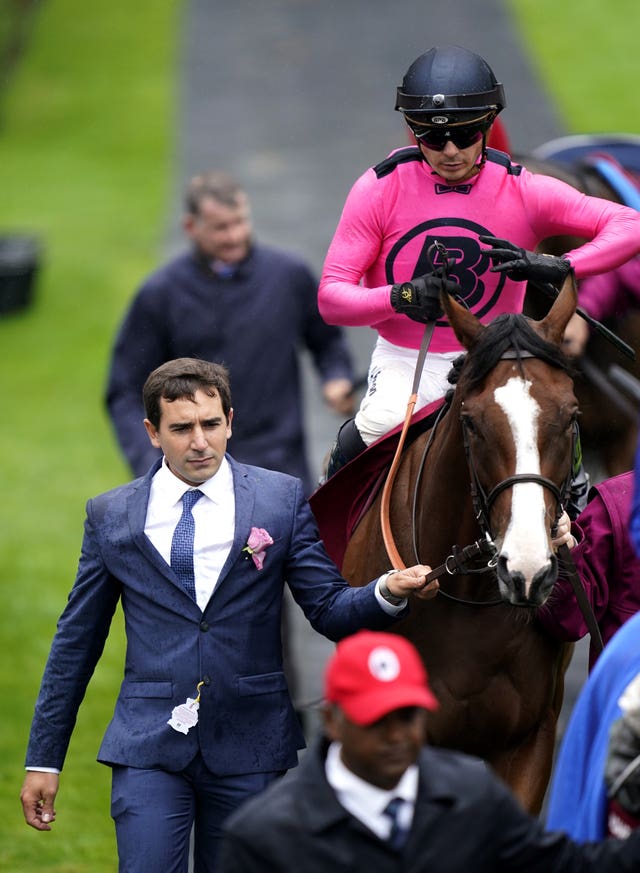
{"type": "Point", "coordinates": [19, 262]}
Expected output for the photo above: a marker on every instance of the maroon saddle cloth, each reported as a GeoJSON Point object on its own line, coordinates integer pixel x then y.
{"type": "Point", "coordinates": [340, 503]}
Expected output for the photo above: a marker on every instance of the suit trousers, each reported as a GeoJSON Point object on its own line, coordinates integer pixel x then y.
{"type": "Point", "coordinates": [155, 810]}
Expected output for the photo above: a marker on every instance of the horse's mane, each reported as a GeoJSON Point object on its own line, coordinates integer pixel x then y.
{"type": "Point", "coordinates": [507, 331]}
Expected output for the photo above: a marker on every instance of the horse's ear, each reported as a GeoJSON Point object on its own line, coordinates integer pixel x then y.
{"type": "Point", "coordinates": [465, 325]}
{"type": "Point", "coordinates": [553, 324]}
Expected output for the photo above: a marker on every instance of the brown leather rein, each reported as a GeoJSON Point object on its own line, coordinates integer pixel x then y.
{"type": "Point", "coordinates": [387, 535]}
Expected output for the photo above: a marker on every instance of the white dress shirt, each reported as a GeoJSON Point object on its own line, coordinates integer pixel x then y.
{"type": "Point", "coordinates": [214, 517]}
{"type": "Point", "coordinates": [367, 802]}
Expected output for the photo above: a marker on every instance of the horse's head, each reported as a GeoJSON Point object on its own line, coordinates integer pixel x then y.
{"type": "Point", "coordinates": [517, 407]}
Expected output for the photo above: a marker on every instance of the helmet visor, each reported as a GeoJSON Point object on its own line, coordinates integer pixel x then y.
{"type": "Point", "coordinates": [455, 104]}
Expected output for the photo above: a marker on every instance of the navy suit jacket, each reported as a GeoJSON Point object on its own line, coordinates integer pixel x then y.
{"type": "Point", "coordinates": [185, 311]}
{"type": "Point", "coordinates": [247, 723]}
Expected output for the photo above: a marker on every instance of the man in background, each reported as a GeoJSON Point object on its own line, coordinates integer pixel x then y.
{"type": "Point", "coordinates": [246, 305]}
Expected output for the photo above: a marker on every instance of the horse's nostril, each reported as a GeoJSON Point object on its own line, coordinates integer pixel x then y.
{"type": "Point", "coordinates": [511, 581]}
{"type": "Point", "coordinates": [543, 582]}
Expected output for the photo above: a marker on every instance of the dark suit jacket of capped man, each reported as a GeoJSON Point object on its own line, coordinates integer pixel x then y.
{"type": "Point", "coordinates": [246, 721]}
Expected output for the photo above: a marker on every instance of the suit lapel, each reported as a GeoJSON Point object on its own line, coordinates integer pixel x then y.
{"type": "Point", "coordinates": [244, 491]}
{"type": "Point", "coordinates": [137, 514]}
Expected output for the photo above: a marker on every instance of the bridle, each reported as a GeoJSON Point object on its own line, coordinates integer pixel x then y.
{"type": "Point", "coordinates": [480, 556]}
{"type": "Point", "coordinates": [483, 502]}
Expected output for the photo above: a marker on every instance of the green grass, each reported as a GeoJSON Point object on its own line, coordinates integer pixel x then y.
{"type": "Point", "coordinates": [86, 132]}
{"type": "Point", "coordinates": [85, 148]}
{"type": "Point", "coordinates": [587, 56]}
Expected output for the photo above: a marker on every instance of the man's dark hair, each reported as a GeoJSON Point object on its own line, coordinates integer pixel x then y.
{"type": "Point", "coordinates": [215, 184]}
{"type": "Point", "coordinates": [180, 379]}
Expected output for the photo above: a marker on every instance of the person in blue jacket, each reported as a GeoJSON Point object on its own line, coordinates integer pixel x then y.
{"type": "Point", "coordinates": [231, 299]}
{"type": "Point", "coordinates": [579, 801]}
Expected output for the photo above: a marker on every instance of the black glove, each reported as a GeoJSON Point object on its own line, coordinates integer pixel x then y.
{"type": "Point", "coordinates": [420, 298]}
{"type": "Point", "coordinates": [522, 265]}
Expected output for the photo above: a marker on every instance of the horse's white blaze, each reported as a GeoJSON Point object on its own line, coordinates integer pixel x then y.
{"type": "Point", "coordinates": [525, 543]}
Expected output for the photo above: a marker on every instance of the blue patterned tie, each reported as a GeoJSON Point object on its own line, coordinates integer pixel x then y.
{"type": "Point", "coordinates": [398, 836]}
{"type": "Point", "coordinates": [182, 543]}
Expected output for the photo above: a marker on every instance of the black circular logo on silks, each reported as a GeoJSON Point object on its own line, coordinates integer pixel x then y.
{"type": "Point", "coordinates": [479, 288]}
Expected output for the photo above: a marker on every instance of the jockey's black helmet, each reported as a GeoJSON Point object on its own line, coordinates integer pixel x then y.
{"type": "Point", "coordinates": [448, 86]}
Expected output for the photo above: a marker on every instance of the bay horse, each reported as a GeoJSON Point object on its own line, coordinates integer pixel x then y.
{"type": "Point", "coordinates": [608, 424]}
{"type": "Point", "coordinates": [496, 467]}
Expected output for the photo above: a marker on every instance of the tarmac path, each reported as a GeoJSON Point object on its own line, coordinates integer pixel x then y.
{"type": "Point", "coordinates": [296, 98]}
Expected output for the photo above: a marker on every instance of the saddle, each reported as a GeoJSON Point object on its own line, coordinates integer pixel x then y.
{"type": "Point", "coordinates": [620, 180]}
{"type": "Point", "coordinates": [341, 502]}
{"type": "Point", "coordinates": [614, 157]}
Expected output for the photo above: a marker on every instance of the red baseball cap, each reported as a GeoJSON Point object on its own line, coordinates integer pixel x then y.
{"type": "Point", "coordinates": [372, 673]}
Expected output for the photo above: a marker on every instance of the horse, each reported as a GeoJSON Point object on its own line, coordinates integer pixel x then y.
{"type": "Point", "coordinates": [494, 470]}
{"type": "Point", "coordinates": [609, 422]}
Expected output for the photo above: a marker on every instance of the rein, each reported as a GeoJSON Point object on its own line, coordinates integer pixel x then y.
{"type": "Point", "coordinates": [459, 562]}
{"type": "Point", "coordinates": [394, 555]}
{"type": "Point", "coordinates": [385, 523]}
{"type": "Point", "coordinates": [566, 559]}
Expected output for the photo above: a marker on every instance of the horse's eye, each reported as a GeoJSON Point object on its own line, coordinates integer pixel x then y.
{"type": "Point", "coordinates": [573, 419]}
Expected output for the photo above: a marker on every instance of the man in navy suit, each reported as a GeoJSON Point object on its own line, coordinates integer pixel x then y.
{"type": "Point", "coordinates": [204, 717]}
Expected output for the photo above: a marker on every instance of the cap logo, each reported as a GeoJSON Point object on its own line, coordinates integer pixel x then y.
{"type": "Point", "coordinates": [439, 119]}
{"type": "Point", "coordinates": [384, 664]}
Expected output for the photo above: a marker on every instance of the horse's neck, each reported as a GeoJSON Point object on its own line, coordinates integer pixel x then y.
{"type": "Point", "coordinates": [444, 510]}
{"type": "Point", "coordinates": [446, 520]}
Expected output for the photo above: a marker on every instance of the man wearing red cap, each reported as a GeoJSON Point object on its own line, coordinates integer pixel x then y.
{"type": "Point", "coordinates": [371, 796]}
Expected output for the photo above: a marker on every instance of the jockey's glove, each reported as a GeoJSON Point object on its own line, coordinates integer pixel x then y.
{"type": "Point", "coordinates": [522, 265]}
{"type": "Point", "coordinates": [420, 298]}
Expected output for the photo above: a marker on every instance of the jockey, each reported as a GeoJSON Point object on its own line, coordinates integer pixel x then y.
{"type": "Point", "coordinates": [383, 270]}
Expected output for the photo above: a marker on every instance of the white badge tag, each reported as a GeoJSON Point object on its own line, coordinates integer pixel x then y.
{"type": "Point", "coordinates": [184, 716]}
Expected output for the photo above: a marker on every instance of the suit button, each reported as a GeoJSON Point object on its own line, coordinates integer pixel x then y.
{"type": "Point", "coordinates": [204, 625]}
{"type": "Point", "coordinates": [206, 680]}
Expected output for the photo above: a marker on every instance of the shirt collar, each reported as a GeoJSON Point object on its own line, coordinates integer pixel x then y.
{"type": "Point", "coordinates": [171, 488]}
{"type": "Point", "coordinates": [363, 793]}
{"type": "Point", "coordinates": [240, 270]}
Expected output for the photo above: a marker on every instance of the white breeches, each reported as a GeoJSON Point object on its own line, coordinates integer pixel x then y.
{"type": "Point", "coordinates": [391, 375]}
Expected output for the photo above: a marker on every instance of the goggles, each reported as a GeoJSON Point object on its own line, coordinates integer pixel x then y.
{"type": "Point", "coordinates": [436, 138]}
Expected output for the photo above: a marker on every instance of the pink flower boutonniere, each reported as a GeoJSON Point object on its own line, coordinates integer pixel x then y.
{"type": "Point", "coordinates": [257, 544]}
